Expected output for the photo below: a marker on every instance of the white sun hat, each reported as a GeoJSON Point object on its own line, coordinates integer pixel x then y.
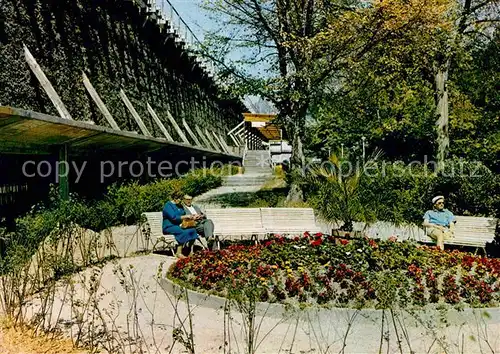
{"type": "Point", "coordinates": [436, 198]}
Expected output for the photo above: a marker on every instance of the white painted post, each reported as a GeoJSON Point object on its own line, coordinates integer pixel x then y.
{"type": "Point", "coordinates": [177, 128]}
{"type": "Point", "coordinates": [203, 137]}
{"type": "Point", "coordinates": [210, 137]}
{"type": "Point", "coordinates": [190, 132]}
{"type": "Point", "coordinates": [47, 86]}
{"type": "Point", "coordinates": [220, 143]}
{"type": "Point", "coordinates": [226, 147]}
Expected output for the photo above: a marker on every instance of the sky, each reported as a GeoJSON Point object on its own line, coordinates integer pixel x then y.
{"type": "Point", "coordinates": [192, 14]}
{"type": "Point", "coordinates": [199, 22]}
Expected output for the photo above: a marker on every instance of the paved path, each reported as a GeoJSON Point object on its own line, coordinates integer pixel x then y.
{"type": "Point", "coordinates": [257, 173]}
{"type": "Point", "coordinates": [138, 311]}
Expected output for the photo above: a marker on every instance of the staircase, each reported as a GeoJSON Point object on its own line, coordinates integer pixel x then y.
{"type": "Point", "coordinates": [257, 170]}
{"type": "Point", "coordinates": [257, 162]}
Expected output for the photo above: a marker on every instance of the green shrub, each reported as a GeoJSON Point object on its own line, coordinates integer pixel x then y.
{"type": "Point", "coordinates": [471, 188]}
{"type": "Point", "coordinates": [122, 205]}
{"type": "Point", "coordinates": [403, 195]}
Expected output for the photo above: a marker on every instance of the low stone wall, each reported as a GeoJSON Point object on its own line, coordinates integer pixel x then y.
{"type": "Point", "coordinates": [82, 247]}
{"type": "Point", "coordinates": [425, 330]}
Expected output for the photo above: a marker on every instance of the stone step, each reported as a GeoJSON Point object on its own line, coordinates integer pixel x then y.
{"type": "Point", "coordinates": [243, 183]}
{"type": "Point", "coordinates": [258, 171]}
{"type": "Point", "coordinates": [246, 181]}
{"type": "Point", "coordinates": [247, 177]}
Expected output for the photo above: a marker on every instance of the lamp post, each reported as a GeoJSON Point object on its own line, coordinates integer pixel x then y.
{"type": "Point", "coordinates": [342, 150]}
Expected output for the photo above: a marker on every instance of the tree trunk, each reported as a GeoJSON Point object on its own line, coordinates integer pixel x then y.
{"type": "Point", "coordinates": [441, 92]}
{"type": "Point", "coordinates": [297, 166]}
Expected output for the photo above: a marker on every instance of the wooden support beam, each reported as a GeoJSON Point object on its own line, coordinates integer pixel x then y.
{"type": "Point", "coordinates": [226, 147]}
{"type": "Point", "coordinates": [236, 143]}
{"type": "Point", "coordinates": [100, 104]}
{"type": "Point", "coordinates": [159, 123]}
{"type": "Point", "coordinates": [47, 86]}
{"type": "Point", "coordinates": [190, 132]}
{"type": "Point", "coordinates": [220, 142]}
{"type": "Point", "coordinates": [134, 113]}
{"type": "Point", "coordinates": [63, 173]}
{"type": "Point", "coordinates": [210, 137]}
{"type": "Point", "coordinates": [203, 137]}
{"type": "Point", "coordinates": [177, 128]}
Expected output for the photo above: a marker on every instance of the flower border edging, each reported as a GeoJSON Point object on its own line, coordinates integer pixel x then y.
{"type": "Point", "coordinates": [372, 316]}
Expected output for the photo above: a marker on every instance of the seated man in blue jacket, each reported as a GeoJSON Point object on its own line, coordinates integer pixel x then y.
{"type": "Point", "coordinates": [439, 222]}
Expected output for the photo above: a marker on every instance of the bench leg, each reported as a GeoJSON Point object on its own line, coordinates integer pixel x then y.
{"type": "Point", "coordinates": [216, 245]}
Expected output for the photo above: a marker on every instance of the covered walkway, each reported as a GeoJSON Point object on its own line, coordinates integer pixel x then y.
{"type": "Point", "coordinates": [37, 150]}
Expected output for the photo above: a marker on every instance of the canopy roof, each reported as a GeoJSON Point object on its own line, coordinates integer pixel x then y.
{"type": "Point", "coordinates": [262, 122]}
{"type": "Point", "coordinates": [28, 132]}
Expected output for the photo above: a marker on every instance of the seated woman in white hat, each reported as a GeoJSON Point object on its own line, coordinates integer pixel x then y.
{"type": "Point", "coordinates": [439, 222]}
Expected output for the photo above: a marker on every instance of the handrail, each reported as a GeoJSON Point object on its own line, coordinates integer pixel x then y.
{"type": "Point", "coordinates": [236, 127]}
{"type": "Point", "coordinates": [183, 31]}
{"type": "Point", "coordinates": [245, 151]}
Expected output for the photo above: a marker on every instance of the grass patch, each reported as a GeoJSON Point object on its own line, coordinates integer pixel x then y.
{"type": "Point", "coordinates": [23, 339]}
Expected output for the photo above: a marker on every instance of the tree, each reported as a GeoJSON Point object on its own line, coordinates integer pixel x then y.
{"type": "Point", "coordinates": [303, 44]}
{"type": "Point", "coordinates": [474, 18]}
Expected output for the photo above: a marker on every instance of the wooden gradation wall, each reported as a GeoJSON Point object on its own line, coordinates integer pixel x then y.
{"type": "Point", "coordinates": [118, 47]}
{"type": "Point", "coordinates": [115, 44]}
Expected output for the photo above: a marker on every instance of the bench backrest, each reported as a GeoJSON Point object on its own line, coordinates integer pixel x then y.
{"type": "Point", "coordinates": [236, 220]}
{"type": "Point", "coordinates": [289, 220]}
{"type": "Point", "coordinates": [473, 231]}
{"type": "Point", "coordinates": [155, 221]}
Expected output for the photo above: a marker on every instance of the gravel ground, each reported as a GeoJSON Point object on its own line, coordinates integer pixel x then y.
{"type": "Point", "coordinates": [149, 320]}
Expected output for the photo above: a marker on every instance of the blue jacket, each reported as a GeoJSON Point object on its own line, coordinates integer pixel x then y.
{"type": "Point", "coordinates": [443, 218]}
{"type": "Point", "coordinates": [172, 215]}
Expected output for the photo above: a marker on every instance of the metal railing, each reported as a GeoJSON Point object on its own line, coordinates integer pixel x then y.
{"type": "Point", "coordinates": [181, 29]}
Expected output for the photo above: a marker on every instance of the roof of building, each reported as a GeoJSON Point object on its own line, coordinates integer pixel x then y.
{"type": "Point", "coordinates": [263, 122]}
{"type": "Point", "coordinates": [28, 132]}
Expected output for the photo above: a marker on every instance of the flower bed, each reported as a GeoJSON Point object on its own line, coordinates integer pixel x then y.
{"type": "Point", "coordinates": [350, 273]}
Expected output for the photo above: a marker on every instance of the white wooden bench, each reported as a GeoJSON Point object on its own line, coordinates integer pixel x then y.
{"type": "Point", "coordinates": [470, 231]}
{"type": "Point", "coordinates": [154, 224]}
{"type": "Point", "coordinates": [236, 222]}
{"type": "Point", "coordinates": [240, 223]}
{"type": "Point", "coordinates": [289, 220]}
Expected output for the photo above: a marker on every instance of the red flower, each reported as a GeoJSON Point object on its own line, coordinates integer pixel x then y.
{"type": "Point", "coordinates": [344, 242]}
{"type": "Point", "coordinates": [317, 242]}
{"type": "Point", "coordinates": [307, 234]}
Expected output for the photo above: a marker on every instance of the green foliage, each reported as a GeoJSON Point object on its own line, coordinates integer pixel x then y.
{"type": "Point", "coordinates": [402, 194]}
{"type": "Point", "coordinates": [128, 202]}
{"type": "Point", "coordinates": [124, 204]}
{"type": "Point", "coordinates": [336, 193]}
